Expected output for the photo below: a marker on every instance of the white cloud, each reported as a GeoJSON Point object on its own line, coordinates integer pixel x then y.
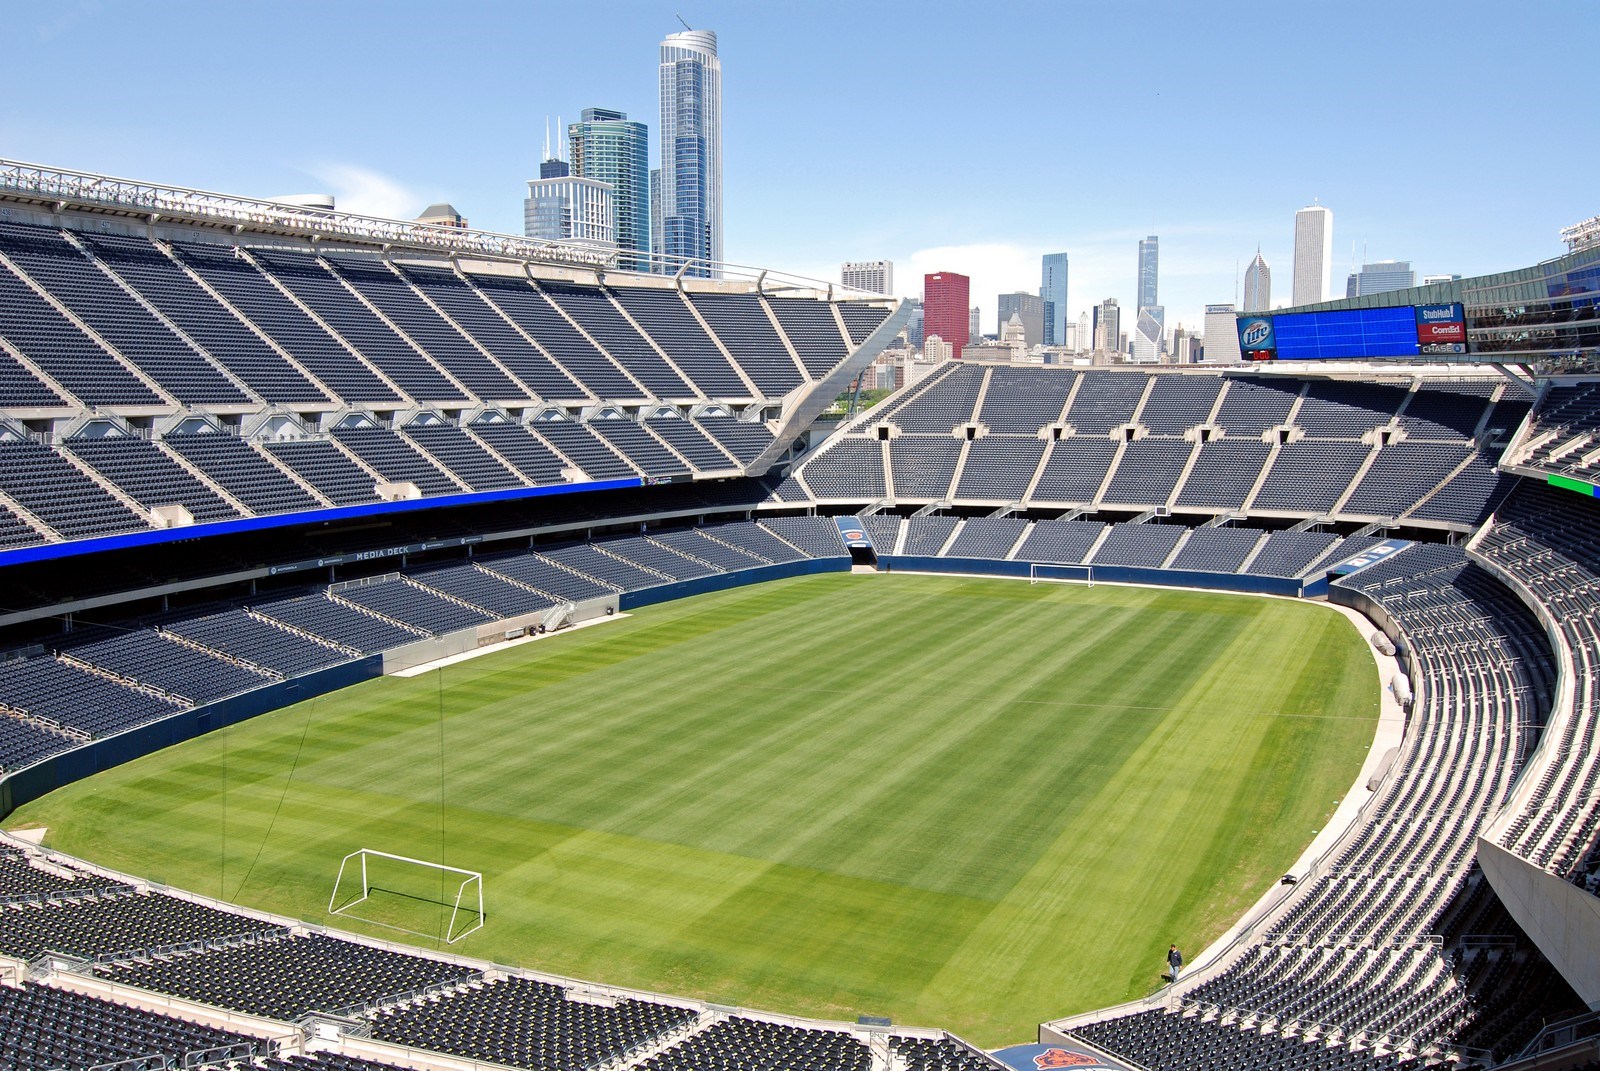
{"type": "Point", "coordinates": [368, 193]}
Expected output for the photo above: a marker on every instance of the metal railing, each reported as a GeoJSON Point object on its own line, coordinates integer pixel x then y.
{"type": "Point", "coordinates": [64, 188]}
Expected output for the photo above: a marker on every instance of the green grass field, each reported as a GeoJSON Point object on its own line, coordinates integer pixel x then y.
{"type": "Point", "coordinates": [967, 803]}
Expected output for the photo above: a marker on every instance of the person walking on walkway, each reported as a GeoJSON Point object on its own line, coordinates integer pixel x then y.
{"type": "Point", "coordinates": [1174, 961]}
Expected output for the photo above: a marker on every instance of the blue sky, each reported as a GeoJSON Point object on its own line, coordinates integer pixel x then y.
{"type": "Point", "coordinates": [964, 137]}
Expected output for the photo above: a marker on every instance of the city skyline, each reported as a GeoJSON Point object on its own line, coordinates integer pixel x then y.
{"type": "Point", "coordinates": [389, 145]}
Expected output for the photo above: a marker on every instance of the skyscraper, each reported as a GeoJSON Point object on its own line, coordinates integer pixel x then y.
{"type": "Point", "coordinates": [1149, 269]}
{"type": "Point", "coordinates": [1257, 285]}
{"type": "Point", "coordinates": [946, 307]}
{"type": "Point", "coordinates": [689, 190]}
{"type": "Point", "coordinates": [1222, 333]}
{"type": "Point", "coordinates": [565, 208]}
{"type": "Point", "coordinates": [1149, 325]}
{"type": "Point", "coordinates": [1313, 254]}
{"type": "Point", "coordinates": [1028, 308]}
{"type": "Point", "coordinates": [1186, 347]}
{"type": "Point", "coordinates": [608, 147]}
{"type": "Point", "coordinates": [1107, 327]}
{"type": "Point", "coordinates": [1380, 278]}
{"type": "Point", "coordinates": [562, 208]}
{"type": "Point", "coordinates": [1149, 333]}
{"type": "Point", "coordinates": [1053, 289]}
{"type": "Point", "coordinates": [873, 276]}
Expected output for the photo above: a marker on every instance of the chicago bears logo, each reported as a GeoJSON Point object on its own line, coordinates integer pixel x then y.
{"type": "Point", "coordinates": [1062, 1058]}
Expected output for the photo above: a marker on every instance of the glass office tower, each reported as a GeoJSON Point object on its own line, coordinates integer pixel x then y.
{"type": "Point", "coordinates": [608, 147]}
{"type": "Point", "coordinates": [689, 225]}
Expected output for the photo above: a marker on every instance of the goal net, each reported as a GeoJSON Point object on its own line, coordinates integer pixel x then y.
{"type": "Point", "coordinates": [410, 895]}
{"type": "Point", "coordinates": [1043, 572]}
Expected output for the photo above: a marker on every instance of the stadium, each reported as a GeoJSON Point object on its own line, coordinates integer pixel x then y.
{"type": "Point", "coordinates": [271, 478]}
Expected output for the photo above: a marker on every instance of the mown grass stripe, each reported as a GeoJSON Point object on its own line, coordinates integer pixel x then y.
{"type": "Point", "coordinates": [959, 802]}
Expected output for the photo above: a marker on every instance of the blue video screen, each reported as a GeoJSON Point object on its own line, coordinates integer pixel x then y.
{"type": "Point", "coordinates": [1321, 336]}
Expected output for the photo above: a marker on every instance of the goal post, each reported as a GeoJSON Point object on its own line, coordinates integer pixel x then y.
{"type": "Point", "coordinates": [393, 886]}
{"type": "Point", "coordinates": [1048, 572]}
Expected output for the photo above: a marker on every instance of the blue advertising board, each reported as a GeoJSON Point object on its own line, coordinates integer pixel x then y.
{"type": "Point", "coordinates": [1354, 334]}
{"type": "Point", "coordinates": [1340, 334]}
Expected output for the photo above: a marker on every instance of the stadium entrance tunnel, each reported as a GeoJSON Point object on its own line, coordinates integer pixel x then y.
{"type": "Point", "coordinates": [856, 540]}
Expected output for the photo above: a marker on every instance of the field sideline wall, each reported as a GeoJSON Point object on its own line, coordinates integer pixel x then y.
{"type": "Point", "coordinates": [632, 600]}
{"type": "Point", "coordinates": [31, 782]}
{"type": "Point", "coordinates": [1114, 574]}
{"type": "Point", "coordinates": [1374, 611]}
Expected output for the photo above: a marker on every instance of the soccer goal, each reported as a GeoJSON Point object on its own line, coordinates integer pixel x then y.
{"type": "Point", "coordinates": [401, 893]}
{"type": "Point", "coordinates": [1044, 572]}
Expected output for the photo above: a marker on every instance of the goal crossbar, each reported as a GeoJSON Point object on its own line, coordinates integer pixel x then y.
{"type": "Point", "coordinates": [1048, 572]}
{"type": "Point", "coordinates": [468, 895]}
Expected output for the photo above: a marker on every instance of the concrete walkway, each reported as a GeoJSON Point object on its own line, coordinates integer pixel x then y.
{"type": "Point", "coordinates": [440, 663]}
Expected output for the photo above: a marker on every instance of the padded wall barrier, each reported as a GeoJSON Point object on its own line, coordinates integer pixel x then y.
{"type": "Point", "coordinates": [31, 782]}
{"type": "Point", "coordinates": [1114, 574]}
{"type": "Point", "coordinates": [722, 581]}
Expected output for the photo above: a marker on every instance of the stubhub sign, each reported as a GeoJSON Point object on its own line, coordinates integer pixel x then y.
{"type": "Point", "coordinates": [1439, 314]}
{"type": "Point", "coordinates": [1441, 328]}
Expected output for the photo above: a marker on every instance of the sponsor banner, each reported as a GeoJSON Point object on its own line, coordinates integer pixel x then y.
{"type": "Point", "coordinates": [1441, 329]}
{"type": "Point", "coordinates": [1256, 340]}
{"type": "Point", "coordinates": [1050, 1057]}
{"type": "Point", "coordinates": [1255, 333]}
{"type": "Point", "coordinates": [853, 532]}
{"type": "Point", "coordinates": [1370, 556]}
{"type": "Point", "coordinates": [1429, 334]}
{"type": "Point", "coordinates": [1440, 314]}
{"type": "Point", "coordinates": [1567, 483]}
{"type": "Point", "coordinates": [372, 555]}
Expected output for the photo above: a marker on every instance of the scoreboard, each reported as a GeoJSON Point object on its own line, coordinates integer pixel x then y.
{"type": "Point", "coordinates": [1354, 334]}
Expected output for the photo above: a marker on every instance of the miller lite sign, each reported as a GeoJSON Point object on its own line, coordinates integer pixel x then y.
{"type": "Point", "coordinates": [1256, 342]}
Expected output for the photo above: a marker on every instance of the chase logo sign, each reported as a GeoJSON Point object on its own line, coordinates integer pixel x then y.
{"type": "Point", "coordinates": [1255, 334]}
